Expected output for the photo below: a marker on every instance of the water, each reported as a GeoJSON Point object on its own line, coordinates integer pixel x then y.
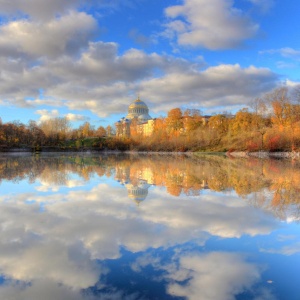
{"type": "Point", "coordinates": [148, 227]}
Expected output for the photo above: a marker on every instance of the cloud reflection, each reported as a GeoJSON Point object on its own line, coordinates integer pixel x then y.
{"type": "Point", "coordinates": [208, 275]}
{"type": "Point", "coordinates": [62, 243]}
{"type": "Point", "coordinates": [214, 276]}
{"type": "Point", "coordinates": [60, 240]}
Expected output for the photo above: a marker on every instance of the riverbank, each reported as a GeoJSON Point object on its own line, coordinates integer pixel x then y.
{"type": "Point", "coordinates": [233, 154]}
{"type": "Point", "coordinates": [264, 154]}
{"type": "Point", "coordinates": [52, 149]}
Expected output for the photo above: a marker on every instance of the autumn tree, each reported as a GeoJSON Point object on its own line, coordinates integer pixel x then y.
{"type": "Point", "coordinates": [286, 111]}
{"type": "Point", "coordinates": [192, 119]}
{"type": "Point", "coordinates": [260, 106]}
{"type": "Point", "coordinates": [160, 126]}
{"type": "Point", "coordinates": [36, 134]}
{"type": "Point", "coordinates": [109, 130]}
{"type": "Point", "coordinates": [174, 120]}
{"type": "Point", "coordinates": [243, 121]}
{"type": "Point", "coordinates": [280, 103]}
{"type": "Point", "coordinates": [12, 134]}
{"type": "Point", "coordinates": [219, 123]}
{"type": "Point", "coordinates": [100, 132]}
{"type": "Point", "coordinates": [56, 129]}
{"type": "Point", "coordinates": [86, 130]}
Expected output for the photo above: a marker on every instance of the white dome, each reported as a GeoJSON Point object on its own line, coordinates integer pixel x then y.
{"type": "Point", "coordinates": [144, 117]}
{"type": "Point", "coordinates": [138, 108]}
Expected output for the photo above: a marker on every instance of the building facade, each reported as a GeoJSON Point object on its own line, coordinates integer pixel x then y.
{"type": "Point", "coordinates": [138, 116]}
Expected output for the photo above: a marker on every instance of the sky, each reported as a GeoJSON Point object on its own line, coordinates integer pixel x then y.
{"type": "Point", "coordinates": [88, 60]}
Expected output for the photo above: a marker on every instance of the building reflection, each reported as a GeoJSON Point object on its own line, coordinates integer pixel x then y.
{"type": "Point", "coordinates": [138, 192]}
{"type": "Point", "coordinates": [270, 184]}
{"type": "Point", "coordinates": [136, 183]}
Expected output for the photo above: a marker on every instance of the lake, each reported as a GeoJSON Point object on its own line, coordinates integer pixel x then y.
{"type": "Point", "coordinates": [90, 226]}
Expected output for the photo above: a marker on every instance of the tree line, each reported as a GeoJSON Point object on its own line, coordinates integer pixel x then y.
{"type": "Point", "coordinates": [271, 123]}
{"type": "Point", "coordinates": [51, 132]}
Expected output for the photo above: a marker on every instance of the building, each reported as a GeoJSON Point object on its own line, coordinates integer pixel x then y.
{"type": "Point", "coordinates": [138, 115]}
{"type": "Point", "coordinates": [137, 180]}
{"type": "Point", "coordinates": [139, 122]}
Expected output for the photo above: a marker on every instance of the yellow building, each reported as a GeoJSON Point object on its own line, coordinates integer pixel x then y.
{"type": "Point", "coordinates": [138, 114]}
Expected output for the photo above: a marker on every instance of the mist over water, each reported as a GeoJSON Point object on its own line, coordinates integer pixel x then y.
{"type": "Point", "coordinates": [148, 227]}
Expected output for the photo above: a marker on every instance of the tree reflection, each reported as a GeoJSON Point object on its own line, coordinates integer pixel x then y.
{"type": "Point", "coordinates": [271, 184]}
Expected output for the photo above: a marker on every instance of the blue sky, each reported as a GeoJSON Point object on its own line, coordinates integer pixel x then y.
{"type": "Point", "coordinates": [89, 60]}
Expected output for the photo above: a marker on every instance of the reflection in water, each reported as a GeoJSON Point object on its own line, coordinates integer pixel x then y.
{"type": "Point", "coordinates": [271, 184]}
{"type": "Point", "coordinates": [138, 191]}
{"type": "Point", "coordinates": [215, 275]}
{"type": "Point", "coordinates": [138, 186]}
{"type": "Point", "coordinates": [76, 233]}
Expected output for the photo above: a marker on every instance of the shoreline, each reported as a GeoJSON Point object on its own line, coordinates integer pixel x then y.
{"type": "Point", "coordinates": [264, 154]}
{"type": "Point", "coordinates": [232, 154]}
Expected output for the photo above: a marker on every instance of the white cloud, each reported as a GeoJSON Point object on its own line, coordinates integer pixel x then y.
{"type": "Point", "coordinates": [213, 24]}
{"type": "Point", "coordinates": [111, 214]}
{"type": "Point", "coordinates": [292, 84]}
{"type": "Point", "coordinates": [39, 9]}
{"type": "Point", "coordinates": [64, 35]}
{"type": "Point", "coordinates": [47, 115]}
{"type": "Point", "coordinates": [39, 289]}
{"type": "Point", "coordinates": [286, 52]}
{"type": "Point", "coordinates": [209, 276]}
{"type": "Point", "coordinates": [44, 10]}
{"type": "Point", "coordinates": [284, 250]}
{"type": "Point", "coordinates": [285, 65]}
{"type": "Point", "coordinates": [104, 82]}
{"type": "Point", "coordinates": [226, 85]}
{"type": "Point", "coordinates": [54, 113]}
{"type": "Point", "coordinates": [214, 276]}
{"type": "Point", "coordinates": [49, 45]}
{"type": "Point", "coordinates": [289, 52]}
{"type": "Point", "coordinates": [70, 265]}
{"type": "Point", "coordinates": [76, 117]}
{"type": "Point", "coordinates": [179, 83]}
{"type": "Point", "coordinates": [100, 64]}
{"type": "Point", "coordinates": [56, 185]}
{"type": "Point", "coordinates": [49, 290]}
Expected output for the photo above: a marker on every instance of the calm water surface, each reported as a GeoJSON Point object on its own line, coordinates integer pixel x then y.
{"type": "Point", "coordinates": [148, 227]}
